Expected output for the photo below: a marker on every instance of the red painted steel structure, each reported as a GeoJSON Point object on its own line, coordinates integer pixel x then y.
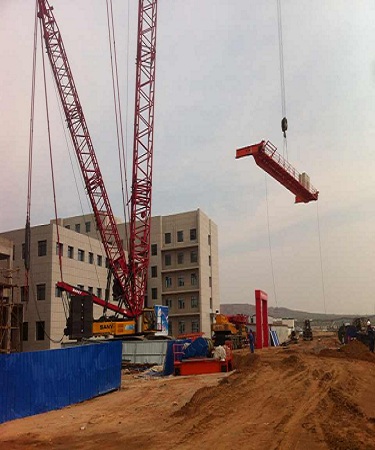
{"type": "Point", "coordinates": [274, 164]}
{"type": "Point", "coordinates": [261, 317]}
{"type": "Point", "coordinates": [131, 276]}
{"type": "Point", "coordinates": [200, 365]}
{"type": "Point", "coordinates": [97, 300]}
{"type": "Point", "coordinates": [139, 248]}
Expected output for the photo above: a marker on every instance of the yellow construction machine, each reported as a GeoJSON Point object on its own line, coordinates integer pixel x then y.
{"type": "Point", "coordinates": [230, 328]}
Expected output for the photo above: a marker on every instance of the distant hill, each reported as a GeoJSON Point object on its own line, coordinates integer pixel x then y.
{"type": "Point", "coordinates": [247, 308]}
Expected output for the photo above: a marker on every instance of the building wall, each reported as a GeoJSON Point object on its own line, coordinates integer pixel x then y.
{"type": "Point", "coordinates": [185, 259]}
{"type": "Point", "coordinates": [6, 259]}
{"type": "Point", "coordinates": [188, 264]}
{"type": "Point", "coordinates": [45, 271]}
{"type": "Point", "coordinates": [191, 304]}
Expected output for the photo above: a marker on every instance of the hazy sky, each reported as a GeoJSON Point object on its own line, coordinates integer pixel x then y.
{"type": "Point", "coordinates": [218, 88]}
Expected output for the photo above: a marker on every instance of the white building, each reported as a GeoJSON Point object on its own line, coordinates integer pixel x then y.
{"type": "Point", "coordinates": [183, 273]}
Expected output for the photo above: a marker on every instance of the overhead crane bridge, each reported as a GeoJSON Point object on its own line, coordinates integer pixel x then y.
{"type": "Point", "coordinates": [267, 157]}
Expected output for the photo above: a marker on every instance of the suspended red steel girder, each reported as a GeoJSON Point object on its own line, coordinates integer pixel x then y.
{"type": "Point", "coordinates": [274, 164]}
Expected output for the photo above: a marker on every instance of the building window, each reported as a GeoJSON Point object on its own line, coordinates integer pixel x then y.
{"type": "Point", "coordinates": [154, 293]}
{"type": "Point", "coordinates": [210, 281]}
{"type": "Point", "coordinates": [91, 258]}
{"type": "Point", "coordinates": [81, 286]}
{"type": "Point", "coordinates": [209, 239]}
{"type": "Point", "coordinates": [168, 260]}
{"type": "Point", "coordinates": [167, 238]}
{"type": "Point", "coordinates": [154, 249]}
{"type": "Point", "coordinates": [90, 290]}
{"type": "Point", "coordinates": [24, 294]}
{"type": "Point", "coordinates": [42, 248]}
{"type": "Point", "coordinates": [194, 326]}
{"type": "Point", "coordinates": [67, 227]}
{"type": "Point", "coordinates": [99, 292]}
{"type": "Point", "coordinates": [40, 291]}
{"type": "Point", "coordinates": [180, 258]}
{"type": "Point", "coordinates": [25, 331]}
{"type": "Point", "coordinates": [154, 271]}
{"type": "Point", "coordinates": [88, 227]}
{"type": "Point", "coordinates": [181, 281]}
{"type": "Point", "coordinates": [99, 260]}
{"type": "Point", "coordinates": [193, 256]}
{"type": "Point", "coordinates": [59, 249]}
{"type": "Point", "coordinates": [23, 249]}
{"type": "Point", "coordinates": [209, 260]}
{"type": "Point", "coordinates": [211, 303]}
{"type": "Point", "coordinates": [193, 234]}
{"type": "Point", "coordinates": [77, 227]}
{"type": "Point", "coordinates": [14, 252]}
{"type": "Point", "coordinates": [107, 263]}
{"type": "Point", "coordinates": [168, 302]}
{"type": "Point", "coordinates": [170, 327]}
{"type": "Point", "coordinates": [194, 301]}
{"type": "Point", "coordinates": [81, 255]}
{"type": "Point", "coordinates": [181, 327]}
{"type": "Point", "coordinates": [39, 329]}
{"type": "Point", "coordinates": [70, 252]}
{"type": "Point", "coordinates": [58, 292]}
{"type": "Point", "coordinates": [193, 279]}
{"type": "Point", "coordinates": [180, 236]}
{"type": "Point", "coordinates": [168, 282]}
{"type": "Point", "coordinates": [181, 303]}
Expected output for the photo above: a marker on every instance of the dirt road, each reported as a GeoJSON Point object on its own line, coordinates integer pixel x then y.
{"type": "Point", "coordinates": [308, 396]}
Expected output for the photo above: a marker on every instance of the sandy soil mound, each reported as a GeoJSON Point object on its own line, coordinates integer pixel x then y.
{"type": "Point", "coordinates": [353, 350]}
{"type": "Point", "coordinates": [243, 359]}
{"type": "Point", "coordinates": [276, 399]}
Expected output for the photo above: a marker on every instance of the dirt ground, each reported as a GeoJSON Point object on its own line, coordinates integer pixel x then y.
{"type": "Point", "coordinates": [311, 395]}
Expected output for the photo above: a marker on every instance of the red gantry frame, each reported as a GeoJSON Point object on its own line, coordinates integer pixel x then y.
{"type": "Point", "coordinates": [274, 164]}
{"type": "Point", "coordinates": [261, 318]}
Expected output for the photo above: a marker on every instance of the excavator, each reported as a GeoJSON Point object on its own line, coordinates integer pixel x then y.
{"type": "Point", "coordinates": [129, 271]}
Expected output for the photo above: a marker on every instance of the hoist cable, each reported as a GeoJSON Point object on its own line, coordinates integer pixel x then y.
{"type": "Point", "coordinates": [26, 254]}
{"type": "Point", "coordinates": [281, 56]}
{"type": "Point", "coordinates": [285, 147]}
{"type": "Point", "coordinates": [284, 122]}
{"type": "Point", "coordinates": [269, 244]}
{"type": "Point", "coordinates": [42, 322]}
{"type": "Point", "coordinates": [321, 258]}
{"type": "Point", "coordinates": [117, 108]}
{"type": "Point", "coordinates": [51, 158]}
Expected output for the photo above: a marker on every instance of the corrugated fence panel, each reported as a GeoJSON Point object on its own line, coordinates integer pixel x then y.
{"type": "Point", "coordinates": [144, 352]}
{"type": "Point", "coordinates": [35, 382]}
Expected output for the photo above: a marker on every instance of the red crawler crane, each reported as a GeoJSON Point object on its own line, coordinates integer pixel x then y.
{"type": "Point", "coordinates": [131, 275]}
{"type": "Point", "coordinates": [274, 164]}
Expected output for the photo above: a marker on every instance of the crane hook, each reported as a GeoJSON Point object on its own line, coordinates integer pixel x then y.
{"type": "Point", "coordinates": [284, 125]}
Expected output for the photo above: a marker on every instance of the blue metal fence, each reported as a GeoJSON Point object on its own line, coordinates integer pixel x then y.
{"type": "Point", "coordinates": [35, 382]}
